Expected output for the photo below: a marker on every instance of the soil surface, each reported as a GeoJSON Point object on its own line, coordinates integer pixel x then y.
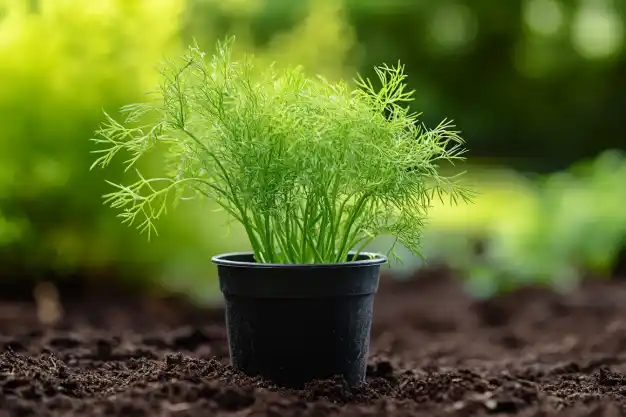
{"type": "Point", "coordinates": [434, 352]}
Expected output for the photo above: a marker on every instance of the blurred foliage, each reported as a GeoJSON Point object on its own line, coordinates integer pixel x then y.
{"type": "Point", "coordinates": [62, 63]}
{"type": "Point", "coordinates": [551, 230]}
{"type": "Point", "coordinates": [538, 84]}
{"type": "Point", "coordinates": [315, 33]}
{"type": "Point", "coordinates": [535, 84]}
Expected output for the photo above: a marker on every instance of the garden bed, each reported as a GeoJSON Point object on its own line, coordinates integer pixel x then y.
{"type": "Point", "coordinates": [434, 352]}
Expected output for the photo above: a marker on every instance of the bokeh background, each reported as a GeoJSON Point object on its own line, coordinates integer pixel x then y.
{"type": "Point", "coordinates": [537, 87]}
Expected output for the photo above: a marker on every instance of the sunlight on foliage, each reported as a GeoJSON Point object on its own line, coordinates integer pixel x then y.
{"type": "Point", "coordinates": [597, 29]}
{"type": "Point", "coordinates": [64, 61]}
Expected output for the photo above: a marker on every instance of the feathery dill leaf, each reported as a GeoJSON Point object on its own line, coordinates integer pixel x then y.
{"type": "Point", "coordinates": [311, 169]}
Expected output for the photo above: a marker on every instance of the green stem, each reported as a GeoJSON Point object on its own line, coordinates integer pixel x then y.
{"type": "Point", "coordinates": [269, 238]}
{"type": "Point", "coordinates": [254, 239]}
{"type": "Point", "coordinates": [366, 241]}
{"type": "Point", "coordinates": [321, 241]}
{"type": "Point", "coordinates": [305, 229]}
{"type": "Point", "coordinates": [354, 214]}
{"type": "Point", "coordinates": [286, 244]}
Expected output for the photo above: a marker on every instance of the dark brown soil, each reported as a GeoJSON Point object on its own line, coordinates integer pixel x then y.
{"type": "Point", "coordinates": [434, 352]}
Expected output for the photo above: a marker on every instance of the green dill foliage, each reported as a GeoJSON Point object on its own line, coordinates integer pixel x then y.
{"type": "Point", "coordinates": [311, 169]}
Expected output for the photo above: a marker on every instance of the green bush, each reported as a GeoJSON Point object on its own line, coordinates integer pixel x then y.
{"type": "Point", "coordinates": [64, 61]}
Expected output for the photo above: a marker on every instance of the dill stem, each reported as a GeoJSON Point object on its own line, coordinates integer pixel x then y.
{"type": "Point", "coordinates": [257, 248]}
{"type": "Point", "coordinates": [366, 241]}
{"type": "Point", "coordinates": [284, 231]}
{"type": "Point", "coordinates": [354, 213]}
{"type": "Point", "coordinates": [285, 242]}
{"type": "Point", "coordinates": [257, 221]}
{"type": "Point", "coordinates": [331, 201]}
{"type": "Point", "coordinates": [321, 234]}
{"type": "Point", "coordinates": [305, 227]}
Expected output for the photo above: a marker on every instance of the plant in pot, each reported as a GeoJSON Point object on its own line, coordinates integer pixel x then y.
{"type": "Point", "coordinates": [313, 171]}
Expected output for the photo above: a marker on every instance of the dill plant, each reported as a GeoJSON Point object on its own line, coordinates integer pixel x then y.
{"type": "Point", "coordinates": [312, 170]}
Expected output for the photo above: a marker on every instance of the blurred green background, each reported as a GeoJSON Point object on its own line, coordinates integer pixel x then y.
{"type": "Point", "coordinates": [537, 87]}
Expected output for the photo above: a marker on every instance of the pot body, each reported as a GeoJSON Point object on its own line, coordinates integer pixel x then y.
{"type": "Point", "coordinates": [295, 323]}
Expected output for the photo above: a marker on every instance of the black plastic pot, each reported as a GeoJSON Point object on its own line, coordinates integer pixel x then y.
{"type": "Point", "coordinates": [295, 323]}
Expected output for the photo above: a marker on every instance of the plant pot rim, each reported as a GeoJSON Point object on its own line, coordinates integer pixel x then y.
{"type": "Point", "coordinates": [226, 259]}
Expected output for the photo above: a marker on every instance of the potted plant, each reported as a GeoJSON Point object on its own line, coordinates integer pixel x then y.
{"type": "Point", "coordinates": [313, 171]}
